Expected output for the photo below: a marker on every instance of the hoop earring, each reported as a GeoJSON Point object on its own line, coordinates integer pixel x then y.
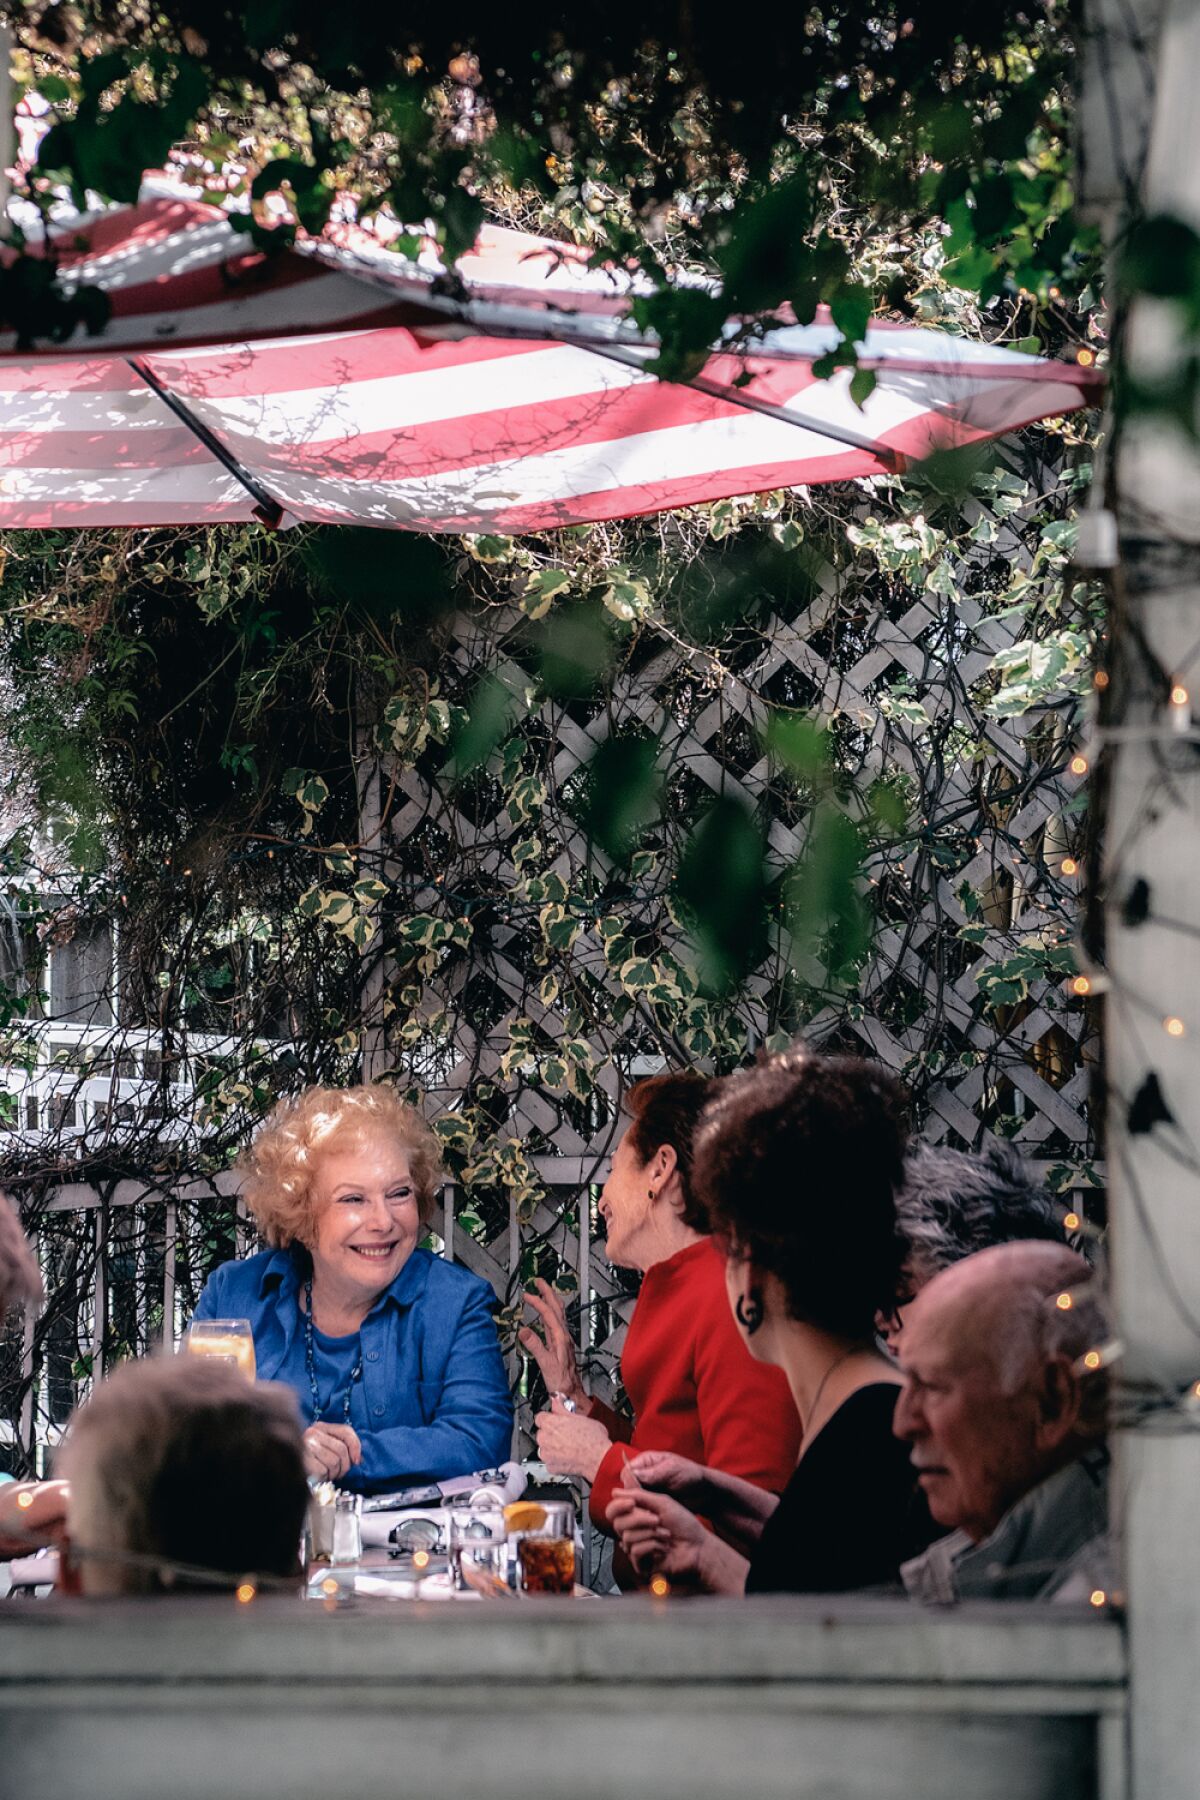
{"type": "Point", "coordinates": [749, 1311]}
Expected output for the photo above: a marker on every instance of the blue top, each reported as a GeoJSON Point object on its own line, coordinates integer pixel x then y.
{"type": "Point", "coordinates": [433, 1400]}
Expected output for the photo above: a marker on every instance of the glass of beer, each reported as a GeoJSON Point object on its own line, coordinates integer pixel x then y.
{"type": "Point", "coordinates": [546, 1553]}
{"type": "Point", "coordinates": [230, 1340]}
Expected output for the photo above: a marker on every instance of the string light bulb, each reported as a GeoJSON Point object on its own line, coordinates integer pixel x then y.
{"type": "Point", "coordinates": [1072, 1222]}
{"type": "Point", "coordinates": [1098, 1597]}
{"type": "Point", "coordinates": [329, 1586]}
{"type": "Point", "coordinates": [1085, 357]}
{"type": "Point", "coordinates": [1180, 710]}
{"type": "Point", "coordinates": [1081, 985]}
{"type": "Point", "coordinates": [1100, 680]}
{"type": "Point", "coordinates": [24, 1501]}
{"type": "Point", "coordinates": [246, 1592]}
{"type": "Point", "coordinates": [660, 1585]}
{"type": "Point", "coordinates": [1064, 1302]}
{"type": "Point", "coordinates": [1079, 764]}
{"type": "Point", "coordinates": [420, 1559]}
{"type": "Point", "coordinates": [1093, 1360]}
{"type": "Point", "coordinates": [1069, 866]}
{"type": "Point", "coordinates": [1174, 1027]}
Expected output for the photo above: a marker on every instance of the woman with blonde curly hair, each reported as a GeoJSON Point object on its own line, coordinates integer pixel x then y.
{"type": "Point", "coordinates": [392, 1351]}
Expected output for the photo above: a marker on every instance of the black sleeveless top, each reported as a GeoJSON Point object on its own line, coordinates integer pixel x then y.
{"type": "Point", "coordinates": [851, 1513]}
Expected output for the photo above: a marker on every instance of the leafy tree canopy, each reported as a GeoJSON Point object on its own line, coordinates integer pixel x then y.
{"type": "Point", "coordinates": [775, 154]}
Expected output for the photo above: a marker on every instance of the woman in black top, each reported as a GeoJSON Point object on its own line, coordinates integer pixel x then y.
{"type": "Point", "coordinates": [797, 1166]}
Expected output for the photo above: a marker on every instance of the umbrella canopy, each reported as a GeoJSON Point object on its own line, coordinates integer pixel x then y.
{"type": "Point", "coordinates": [340, 384]}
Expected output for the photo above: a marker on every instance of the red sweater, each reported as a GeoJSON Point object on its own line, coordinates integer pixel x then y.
{"type": "Point", "coordinates": [694, 1386]}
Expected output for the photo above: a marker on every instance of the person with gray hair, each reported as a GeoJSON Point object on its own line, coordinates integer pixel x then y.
{"type": "Point", "coordinates": [954, 1203]}
{"type": "Point", "coordinates": [183, 1474]}
{"type": "Point", "coordinates": [1004, 1405]}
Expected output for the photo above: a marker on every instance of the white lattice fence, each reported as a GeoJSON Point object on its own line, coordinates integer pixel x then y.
{"type": "Point", "coordinates": [978, 880]}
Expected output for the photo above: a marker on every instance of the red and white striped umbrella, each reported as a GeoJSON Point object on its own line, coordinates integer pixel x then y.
{"type": "Point", "coordinates": [342, 385]}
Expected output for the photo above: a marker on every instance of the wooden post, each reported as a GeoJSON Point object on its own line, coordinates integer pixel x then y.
{"type": "Point", "coordinates": [8, 128]}
{"type": "Point", "coordinates": [371, 861]}
{"type": "Point", "coordinates": [1152, 927]}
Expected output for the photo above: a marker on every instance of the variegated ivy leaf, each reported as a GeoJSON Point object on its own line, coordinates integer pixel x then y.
{"type": "Point", "coordinates": [359, 930]}
{"type": "Point", "coordinates": [369, 892]}
{"type": "Point", "coordinates": [548, 990]}
{"type": "Point", "coordinates": [616, 951]}
{"type": "Point", "coordinates": [628, 598]}
{"type": "Point", "coordinates": [559, 929]}
{"type": "Point", "coordinates": [457, 1132]}
{"type": "Point", "coordinates": [899, 706]}
{"type": "Point", "coordinates": [972, 934]}
{"type": "Point", "coordinates": [426, 928]}
{"type": "Point", "coordinates": [579, 1081]}
{"type": "Point", "coordinates": [339, 860]}
{"type": "Point", "coordinates": [525, 851]}
{"type": "Point", "coordinates": [789, 533]}
{"type": "Point", "coordinates": [526, 798]}
{"type": "Point", "coordinates": [541, 590]}
{"type": "Point", "coordinates": [490, 548]}
{"type": "Point", "coordinates": [637, 974]}
{"type": "Point", "coordinates": [335, 907]}
{"type": "Point", "coordinates": [309, 790]}
{"type": "Point", "coordinates": [941, 580]}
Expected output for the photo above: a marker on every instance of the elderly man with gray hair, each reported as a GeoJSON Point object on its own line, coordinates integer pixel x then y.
{"type": "Point", "coordinates": [183, 1475]}
{"type": "Point", "coordinates": [1004, 1406]}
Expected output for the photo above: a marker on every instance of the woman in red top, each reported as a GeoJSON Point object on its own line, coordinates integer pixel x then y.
{"type": "Point", "coordinates": [694, 1387]}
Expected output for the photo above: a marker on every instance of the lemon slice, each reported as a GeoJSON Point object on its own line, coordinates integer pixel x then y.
{"type": "Point", "coordinates": [524, 1515]}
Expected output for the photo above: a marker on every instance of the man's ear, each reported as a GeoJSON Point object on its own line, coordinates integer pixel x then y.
{"type": "Point", "coordinates": [1060, 1401]}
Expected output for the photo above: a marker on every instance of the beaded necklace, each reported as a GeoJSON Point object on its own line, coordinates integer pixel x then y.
{"type": "Point", "coordinates": [310, 1358]}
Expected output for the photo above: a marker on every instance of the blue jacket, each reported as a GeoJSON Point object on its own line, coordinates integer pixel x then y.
{"type": "Point", "coordinates": [433, 1400]}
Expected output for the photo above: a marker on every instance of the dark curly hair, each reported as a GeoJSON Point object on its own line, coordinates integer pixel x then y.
{"type": "Point", "coordinates": [666, 1109]}
{"type": "Point", "coordinates": [796, 1166]}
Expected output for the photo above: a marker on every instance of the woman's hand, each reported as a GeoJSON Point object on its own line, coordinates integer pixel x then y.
{"type": "Point", "coordinates": [569, 1444]}
{"type": "Point", "coordinates": [658, 1535]}
{"type": "Point", "coordinates": [554, 1354]}
{"type": "Point", "coordinates": [329, 1450]}
{"type": "Point", "coordinates": [32, 1515]}
{"type": "Point", "coordinates": [670, 1474]}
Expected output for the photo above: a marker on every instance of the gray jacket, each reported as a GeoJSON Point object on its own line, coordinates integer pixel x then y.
{"type": "Point", "coordinates": [1052, 1545]}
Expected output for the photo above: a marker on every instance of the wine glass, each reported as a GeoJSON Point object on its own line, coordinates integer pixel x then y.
{"type": "Point", "coordinates": [229, 1340]}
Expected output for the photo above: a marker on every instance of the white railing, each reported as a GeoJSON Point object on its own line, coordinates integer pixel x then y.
{"type": "Point", "coordinates": [77, 1080]}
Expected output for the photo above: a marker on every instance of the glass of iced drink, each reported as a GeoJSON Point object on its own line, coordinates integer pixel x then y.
{"type": "Point", "coordinates": [546, 1552]}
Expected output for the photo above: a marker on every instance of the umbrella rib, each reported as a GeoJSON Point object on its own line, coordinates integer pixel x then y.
{"type": "Point", "coordinates": [892, 460]}
{"type": "Point", "coordinates": [267, 508]}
